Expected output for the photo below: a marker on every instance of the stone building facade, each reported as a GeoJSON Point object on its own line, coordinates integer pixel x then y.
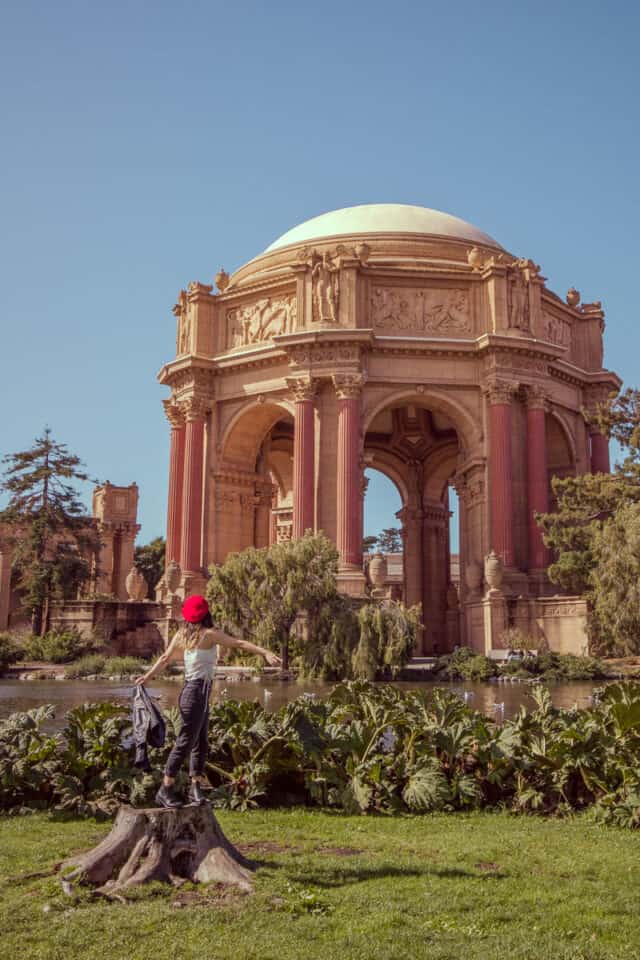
{"type": "Point", "coordinates": [405, 340]}
{"type": "Point", "coordinates": [114, 514]}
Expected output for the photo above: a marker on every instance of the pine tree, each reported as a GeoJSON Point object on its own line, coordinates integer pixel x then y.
{"type": "Point", "coordinates": [53, 542]}
{"type": "Point", "coordinates": [390, 540]}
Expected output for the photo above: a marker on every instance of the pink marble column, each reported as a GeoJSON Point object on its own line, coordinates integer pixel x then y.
{"type": "Point", "coordinates": [537, 479]}
{"type": "Point", "coordinates": [501, 470]}
{"type": "Point", "coordinates": [191, 545]}
{"type": "Point", "coordinates": [599, 452]}
{"type": "Point", "coordinates": [349, 486]}
{"type": "Point", "coordinates": [303, 456]}
{"type": "Point", "coordinates": [176, 479]}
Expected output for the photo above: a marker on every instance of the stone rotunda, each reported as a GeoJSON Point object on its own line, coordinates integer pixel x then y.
{"type": "Point", "coordinates": [402, 339]}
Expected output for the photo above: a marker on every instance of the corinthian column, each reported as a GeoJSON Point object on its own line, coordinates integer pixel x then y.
{"type": "Point", "coordinates": [537, 481]}
{"type": "Point", "coordinates": [499, 394]}
{"type": "Point", "coordinates": [349, 487]}
{"type": "Point", "coordinates": [176, 477]}
{"type": "Point", "coordinates": [303, 455]}
{"type": "Point", "coordinates": [191, 543]}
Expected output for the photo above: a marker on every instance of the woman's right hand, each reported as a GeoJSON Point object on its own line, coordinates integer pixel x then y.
{"type": "Point", "coordinates": [140, 681]}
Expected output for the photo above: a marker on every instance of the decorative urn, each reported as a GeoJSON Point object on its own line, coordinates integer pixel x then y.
{"type": "Point", "coordinates": [475, 258]}
{"type": "Point", "coordinates": [573, 297]}
{"type": "Point", "coordinates": [222, 280]}
{"type": "Point", "coordinates": [172, 576]}
{"type": "Point", "coordinates": [493, 571]}
{"type": "Point", "coordinates": [136, 585]}
{"type": "Point", "coordinates": [378, 571]}
{"type": "Point", "coordinates": [363, 252]}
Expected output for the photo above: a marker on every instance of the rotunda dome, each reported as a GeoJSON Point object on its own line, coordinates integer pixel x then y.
{"type": "Point", "coordinates": [383, 218]}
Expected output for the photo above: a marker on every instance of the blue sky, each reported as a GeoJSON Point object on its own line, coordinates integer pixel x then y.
{"type": "Point", "coordinates": [146, 145]}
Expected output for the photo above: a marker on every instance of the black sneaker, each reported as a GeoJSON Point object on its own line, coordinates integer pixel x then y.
{"type": "Point", "coordinates": [196, 796]}
{"type": "Point", "coordinates": [165, 797]}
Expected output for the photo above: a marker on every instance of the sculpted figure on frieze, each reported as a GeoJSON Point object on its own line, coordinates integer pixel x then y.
{"type": "Point", "coordinates": [325, 287]}
{"type": "Point", "coordinates": [261, 320]}
{"type": "Point", "coordinates": [420, 310]}
{"type": "Point", "coordinates": [518, 299]}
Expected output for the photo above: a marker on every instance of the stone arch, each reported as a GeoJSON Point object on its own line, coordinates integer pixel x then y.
{"type": "Point", "coordinates": [469, 430]}
{"type": "Point", "coordinates": [385, 463]}
{"type": "Point", "coordinates": [559, 434]}
{"type": "Point", "coordinates": [247, 429]}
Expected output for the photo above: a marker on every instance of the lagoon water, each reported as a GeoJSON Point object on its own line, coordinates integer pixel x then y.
{"type": "Point", "coordinates": [497, 700]}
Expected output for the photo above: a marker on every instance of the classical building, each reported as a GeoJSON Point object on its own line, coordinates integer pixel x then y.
{"type": "Point", "coordinates": [405, 340]}
{"type": "Point", "coordinates": [114, 516]}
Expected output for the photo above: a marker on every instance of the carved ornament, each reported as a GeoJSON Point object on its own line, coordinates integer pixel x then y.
{"type": "Point", "coordinates": [173, 413]}
{"type": "Point", "coordinates": [573, 297]}
{"type": "Point", "coordinates": [536, 397]}
{"type": "Point", "coordinates": [470, 488]}
{"type": "Point", "coordinates": [302, 388]}
{"type": "Point", "coordinates": [500, 391]}
{"type": "Point", "coordinates": [518, 295]}
{"type": "Point", "coordinates": [420, 310]}
{"type": "Point", "coordinates": [261, 320]}
{"type": "Point", "coordinates": [556, 329]}
{"type": "Point", "coordinates": [196, 289]}
{"type": "Point", "coordinates": [348, 385]}
{"type": "Point", "coordinates": [222, 280]}
{"type": "Point", "coordinates": [195, 408]}
{"type": "Point", "coordinates": [307, 354]}
{"type": "Point", "coordinates": [514, 363]}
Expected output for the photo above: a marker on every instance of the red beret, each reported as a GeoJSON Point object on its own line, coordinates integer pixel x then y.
{"type": "Point", "coordinates": [195, 609]}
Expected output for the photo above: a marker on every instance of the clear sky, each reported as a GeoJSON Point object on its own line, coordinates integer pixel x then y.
{"type": "Point", "coordinates": [146, 145]}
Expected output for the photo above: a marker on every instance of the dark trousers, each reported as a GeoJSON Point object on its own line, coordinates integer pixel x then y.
{"type": "Point", "coordinates": [193, 737]}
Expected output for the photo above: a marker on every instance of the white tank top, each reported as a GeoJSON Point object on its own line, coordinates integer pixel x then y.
{"type": "Point", "coordinates": [200, 664]}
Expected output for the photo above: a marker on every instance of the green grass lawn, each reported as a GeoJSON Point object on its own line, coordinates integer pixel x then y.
{"type": "Point", "coordinates": [334, 887]}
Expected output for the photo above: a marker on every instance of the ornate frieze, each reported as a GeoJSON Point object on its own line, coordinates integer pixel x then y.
{"type": "Point", "coordinates": [514, 363]}
{"type": "Point", "coordinates": [261, 320]}
{"type": "Point", "coordinates": [556, 329]}
{"type": "Point", "coordinates": [308, 354]}
{"type": "Point", "coordinates": [348, 385]}
{"type": "Point", "coordinates": [420, 310]}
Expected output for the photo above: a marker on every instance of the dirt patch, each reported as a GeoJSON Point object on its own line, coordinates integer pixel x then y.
{"type": "Point", "coordinates": [214, 895]}
{"type": "Point", "coordinates": [488, 867]}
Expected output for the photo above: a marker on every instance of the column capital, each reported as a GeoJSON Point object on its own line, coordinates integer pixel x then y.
{"type": "Point", "coordinates": [195, 408]}
{"type": "Point", "coordinates": [499, 391]}
{"type": "Point", "coordinates": [302, 388]}
{"type": "Point", "coordinates": [348, 385]}
{"type": "Point", "coordinates": [536, 397]}
{"type": "Point", "coordinates": [173, 413]}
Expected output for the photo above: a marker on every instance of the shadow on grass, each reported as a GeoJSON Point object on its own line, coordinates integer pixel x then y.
{"type": "Point", "coordinates": [341, 877]}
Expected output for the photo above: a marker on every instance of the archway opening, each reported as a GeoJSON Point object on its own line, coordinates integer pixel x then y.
{"type": "Point", "coordinates": [419, 449]}
{"type": "Point", "coordinates": [383, 532]}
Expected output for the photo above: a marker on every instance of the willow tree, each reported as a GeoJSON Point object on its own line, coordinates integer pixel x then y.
{"type": "Point", "coordinates": [260, 593]}
{"type": "Point", "coordinates": [53, 543]}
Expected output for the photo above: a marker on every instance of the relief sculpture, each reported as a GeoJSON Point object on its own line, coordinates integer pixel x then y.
{"type": "Point", "coordinates": [420, 311]}
{"type": "Point", "coordinates": [557, 330]}
{"type": "Point", "coordinates": [261, 320]}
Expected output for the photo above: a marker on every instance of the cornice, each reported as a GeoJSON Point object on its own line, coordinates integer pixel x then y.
{"type": "Point", "coordinates": [195, 362]}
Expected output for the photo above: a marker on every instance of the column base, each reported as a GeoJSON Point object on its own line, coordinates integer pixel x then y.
{"type": "Point", "coordinates": [352, 581]}
{"type": "Point", "coordinates": [191, 582]}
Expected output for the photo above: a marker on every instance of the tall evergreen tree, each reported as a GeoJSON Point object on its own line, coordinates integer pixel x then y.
{"type": "Point", "coordinates": [53, 543]}
{"type": "Point", "coordinates": [390, 540]}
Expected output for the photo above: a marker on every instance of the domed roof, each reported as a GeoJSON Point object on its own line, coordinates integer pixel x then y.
{"type": "Point", "coordinates": [382, 218]}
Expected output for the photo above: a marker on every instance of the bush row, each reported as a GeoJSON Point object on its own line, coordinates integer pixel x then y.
{"type": "Point", "coordinates": [466, 664]}
{"type": "Point", "coordinates": [365, 749]}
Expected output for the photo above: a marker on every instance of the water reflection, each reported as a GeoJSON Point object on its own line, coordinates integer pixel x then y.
{"type": "Point", "coordinates": [499, 701]}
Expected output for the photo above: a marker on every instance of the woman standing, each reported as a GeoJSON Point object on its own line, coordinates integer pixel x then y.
{"type": "Point", "coordinates": [196, 641]}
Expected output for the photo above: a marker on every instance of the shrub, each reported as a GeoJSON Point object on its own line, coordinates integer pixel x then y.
{"type": "Point", "coordinates": [465, 664]}
{"type": "Point", "coordinates": [9, 651]}
{"type": "Point", "coordinates": [102, 666]}
{"type": "Point", "coordinates": [57, 646]}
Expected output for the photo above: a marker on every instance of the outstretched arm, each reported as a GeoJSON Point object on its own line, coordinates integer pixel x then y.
{"type": "Point", "coordinates": [171, 653]}
{"type": "Point", "coordinates": [225, 640]}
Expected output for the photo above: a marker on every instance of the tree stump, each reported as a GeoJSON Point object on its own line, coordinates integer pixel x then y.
{"type": "Point", "coordinates": [186, 843]}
